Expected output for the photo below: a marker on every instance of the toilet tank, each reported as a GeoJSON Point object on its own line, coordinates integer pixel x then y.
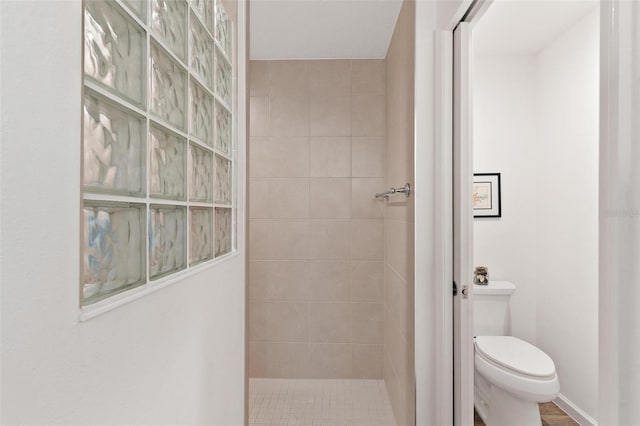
{"type": "Point", "coordinates": [491, 312]}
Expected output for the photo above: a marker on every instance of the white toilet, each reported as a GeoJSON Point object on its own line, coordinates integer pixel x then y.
{"type": "Point", "coordinates": [511, 375]}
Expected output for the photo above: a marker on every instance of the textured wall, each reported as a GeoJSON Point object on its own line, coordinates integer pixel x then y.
{"type": "Point", "coordinates": [171, 357]}
{"type": "Point", "coordinates": [399, 220]}
{"type": "Point", "coordinates": [316, 233]}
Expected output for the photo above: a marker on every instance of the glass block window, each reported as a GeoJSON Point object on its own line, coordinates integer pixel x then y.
{"type": "Point", "coordinates": [157, 145]}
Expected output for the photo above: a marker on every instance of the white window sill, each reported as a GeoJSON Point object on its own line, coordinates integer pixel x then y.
{"type": "Point", "coordinates": [111, 303]}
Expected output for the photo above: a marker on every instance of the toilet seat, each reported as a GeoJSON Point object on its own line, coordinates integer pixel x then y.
{"type": "Point", "coordinates": [517, 367]}
{"type": "Point", "coordinates": [516, 355]}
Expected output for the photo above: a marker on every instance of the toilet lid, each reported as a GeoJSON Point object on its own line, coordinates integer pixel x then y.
{"type": "Point", "coordinates": [516, 355]}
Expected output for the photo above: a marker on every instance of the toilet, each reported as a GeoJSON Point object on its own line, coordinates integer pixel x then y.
{"type": "Point", "coordinates": [511, 376]}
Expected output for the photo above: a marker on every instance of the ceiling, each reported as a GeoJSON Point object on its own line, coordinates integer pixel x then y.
{"type": "Point", "coordinates": [321, 29]}
{"type": "Point", "coordinates": [512, 27]}
{"type": "Point", "coordinates": [331, 29]}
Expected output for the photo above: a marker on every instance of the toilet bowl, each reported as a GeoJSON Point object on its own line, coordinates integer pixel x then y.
{"type": "Point", "coordinates": [511, 378]}
{"type": "Point", "coordinates": [511, 375]}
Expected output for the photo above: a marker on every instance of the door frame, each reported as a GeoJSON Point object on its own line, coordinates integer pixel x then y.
{"type": "Point", "coordinates": [462, 217]}
{"type": "Point", "coordinates": [449, 15]}
{"type": "Point", "coordinates": [611, 288]}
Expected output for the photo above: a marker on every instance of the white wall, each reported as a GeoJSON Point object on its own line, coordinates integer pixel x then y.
{"type": "Point", "coordinates": [567, 302]}
{"type": "Point", "coordinates": [173, 357]}
{"type": "Point", "coordinates": [505, 141]}
{"type": "Point", "coordinates": [536, 122]}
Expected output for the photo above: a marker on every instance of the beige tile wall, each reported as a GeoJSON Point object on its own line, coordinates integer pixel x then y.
{"type": "Point", "coordinates": [399, 221]}
{"type": "Point", "coordinates": [316, 235]}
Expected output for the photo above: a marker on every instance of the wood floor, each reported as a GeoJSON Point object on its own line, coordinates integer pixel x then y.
{"type": "Point", "coordinates": [551, 415]}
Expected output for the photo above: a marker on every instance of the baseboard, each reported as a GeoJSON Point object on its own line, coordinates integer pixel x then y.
{"type": "Point", "coordinates": [574, 411]}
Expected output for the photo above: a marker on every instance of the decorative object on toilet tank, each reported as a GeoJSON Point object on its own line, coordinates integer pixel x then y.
{"type": "Point", "coordinates": [486, 195]}
{"type": "Point", "coordinates": [481, 275]}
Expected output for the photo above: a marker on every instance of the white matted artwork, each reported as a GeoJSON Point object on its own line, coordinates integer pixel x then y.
{"type": "Point", "coordinates": [486, 195]}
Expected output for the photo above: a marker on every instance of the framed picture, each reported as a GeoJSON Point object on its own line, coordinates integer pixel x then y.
{"type": "Point", "coordinates": [486, 195]}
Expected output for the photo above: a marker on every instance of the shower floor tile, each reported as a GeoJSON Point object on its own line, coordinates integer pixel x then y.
{"type": "Point", "coordinates": [305, 402]}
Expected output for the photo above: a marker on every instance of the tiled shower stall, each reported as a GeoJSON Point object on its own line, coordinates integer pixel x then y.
{"type": "Point", "coordinates": [330, 266]}
{"type": "Point", "coordinates": [316, 233]}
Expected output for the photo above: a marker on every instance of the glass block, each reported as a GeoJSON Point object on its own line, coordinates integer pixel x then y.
{"type": "Point", "coordinates": [201, 234]}
{"type": "Point", "coordinates": [114, 50]}
{"type": "Point", "coordinates": [201, 118]}
{"type": "Point", "coordinates": [113, 148]}
{"type": "Point", "coordinates": [139, 7]}
{"type": "Point", "coordinates": [201, 52]}
{"type": "Point", "coordinates": [223, 180]}
{"type": "Point", "coordinates": [223, 77]}
{"type": "Point", "coordinates": [168, 162]}
{"type": "Point", "coordinates": [205, 11]}
{"type": "Point", "coordinates": [169, 21]}
{"type": "Point", "coordinates": [200, 175]}
{"type": "Point", "coordinates": [112, 249]}
{"type": "Point", "coordinates": [223, 129]}
{"type": "Point", "coordinates": [167, 240]}
{"type": "Point", "coordinates": [199, 7]}
{"type": "Point", "coordinates": [223, 28]}
{"type": "Point", "coordinates": [168, 88]}
{"type": "Point", "coordinates": [223, 231]}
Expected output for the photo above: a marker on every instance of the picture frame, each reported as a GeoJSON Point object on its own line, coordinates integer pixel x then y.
{"type": "Point", "coordinates": [486, 195]}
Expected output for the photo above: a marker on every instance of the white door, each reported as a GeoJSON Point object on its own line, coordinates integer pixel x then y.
{"type": "Point", "coordinates": [462, 227]}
